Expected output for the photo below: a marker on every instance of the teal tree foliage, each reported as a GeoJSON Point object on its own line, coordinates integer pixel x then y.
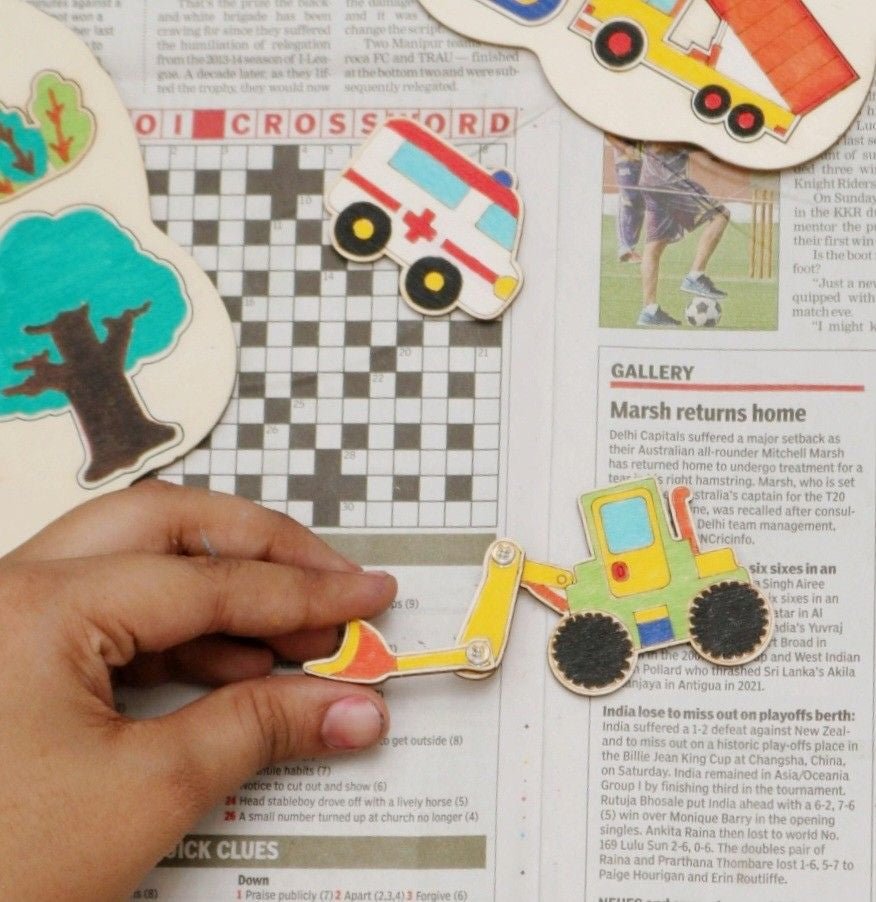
{"type": "Point", "coordinates": [82, 307]}
{"type": "Point", "coordinates": [23, 152]}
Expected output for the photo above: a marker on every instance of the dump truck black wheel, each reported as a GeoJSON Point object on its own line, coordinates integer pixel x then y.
{"type": "Point", "coordinates": [619, 45]}
{"type": "Point", "coordinates": [730, 623]}
{"type": "Point", "coordinates": [712, 102]}
{"type": "Point", "coordinates": [746, 121]}
{"type": "Point", "coordinates": [591, 653]}
{"type": "Point", "coordinates": [433, 284]}
{"type": "Point", "coordinates": [362, 230]}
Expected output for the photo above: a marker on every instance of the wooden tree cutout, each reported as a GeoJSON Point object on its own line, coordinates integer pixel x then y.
{"type": "Point", "coordinates": [79, 355]}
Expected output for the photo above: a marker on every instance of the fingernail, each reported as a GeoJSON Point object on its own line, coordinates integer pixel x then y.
{"type": "Point", "coordinates": [352, 723]}
{"type": "Point", "coordinates": [378, 574]}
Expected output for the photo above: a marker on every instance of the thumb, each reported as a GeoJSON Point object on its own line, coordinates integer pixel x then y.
{"type": "Point", "coordinates": [223, 738]}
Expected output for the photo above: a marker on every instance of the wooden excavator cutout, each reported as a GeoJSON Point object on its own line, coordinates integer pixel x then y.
{"type": "Point", "coordinates": [647, 586]}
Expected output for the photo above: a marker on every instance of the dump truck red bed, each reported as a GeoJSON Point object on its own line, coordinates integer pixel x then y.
{"type": "Point", "coordinates": [787, 42]}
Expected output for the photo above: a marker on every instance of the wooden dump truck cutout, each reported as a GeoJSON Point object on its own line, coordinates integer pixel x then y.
{"type": "Point", "coordinates": [796, 71]}
{"type": "Point", "coordinates": [647, 586]}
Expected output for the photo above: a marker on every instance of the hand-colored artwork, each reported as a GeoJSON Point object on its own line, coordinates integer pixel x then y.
{"type": "Point", "coordinates": [117, 354]}
{"type": "Point", "coordinates": [49, 141]}
{"type": "Point", "coordinates": [452, 226]}
{"type": "Point", "coordinates": [784, 78]}
{"type": "Point", "coordinates": [647, 585]}
{"type": "Point", "coordinates": [79, 355]}
{"type": "Point", "coordinates": [527, 10]}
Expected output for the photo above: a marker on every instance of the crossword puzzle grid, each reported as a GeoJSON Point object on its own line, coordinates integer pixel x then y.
{"type": "Point", "coordinates": [350, 409]}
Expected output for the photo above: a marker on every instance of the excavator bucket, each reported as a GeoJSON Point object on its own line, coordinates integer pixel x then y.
{"type": "Point", "coordinates": [363, 657]}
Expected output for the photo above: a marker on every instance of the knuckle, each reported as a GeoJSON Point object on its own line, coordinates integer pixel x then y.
{"type": "Point", "coordinates": [219, 577]}
{"type": "Point", "coordinates": [263, 716]}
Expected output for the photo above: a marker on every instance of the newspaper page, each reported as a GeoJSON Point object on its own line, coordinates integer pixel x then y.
{"type": "Point", "coordinates": [412, 444]}
{"type": "Point", "coordinates": [696, 782]}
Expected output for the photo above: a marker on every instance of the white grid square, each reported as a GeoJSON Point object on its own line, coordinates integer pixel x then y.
{"type": "Point", "coordinates": [181, 208]}
{"type": "Point", "coordinates": [357, 360]}
{"type": "Point", "coordinates": [328, 435]}
{"type": "Point", "coordinates": [180, 232]}
{"type": "Point", "coordinates": [233, 182]}
{"type": "Point", "coordinates": [206, 206]}
{"type": "Point", "coordinates": [182, 156]}
{"type": "Point", "coordinates": [260, 156]}
{"type": "Point", "coordinates": [379, 513]}
{"type": "Point", "coordinates": [255, 257]}
{"type": "Point", "coordinates": [356, 410]}
{"type": "Point", "coordinates": [352, 514]}
{"type": "Point", "coordinates": [231, 232]}
{"type": "Point", "coordinates": [354, 462]}
{"type": "Point", "coordinates": [276, 441]}
{"type": "Point", "coordinates": [258, 206]}
{"type": "Point", "coordinates": [274, 488]}
{"type": "Point", "coordinates": [281, 283]}
{"type": "Point", "coordinates": [404, 513]}
{"type": "Point", "coordinates": [208, 156]}
{"type": "Point", "coordinates": [302, 461]}
{"type": "Point", "coordinates": [181, 182]}
{"type": "Point", "coordinates": [255, 309]}
{"type": "Point", "coordinates": [249, 462]}
{"type": "Point", "coordinates": [234, 156]}
{"type": "Point", "coordinates": [379, 488]}
{"type": "Point", "coordinates": [230, 284]}
{"type": "Point", "coordinates": [275, 462]}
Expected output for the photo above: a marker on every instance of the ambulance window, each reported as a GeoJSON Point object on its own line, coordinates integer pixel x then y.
{"type": "Point", "coordinates": [499, 225]}
{"type": "Point", "coordinates": [665, 6]}
{"type": "Point", "coordinates": [433, 177]}
{"type": "Point", "coordinates": [626, 525]}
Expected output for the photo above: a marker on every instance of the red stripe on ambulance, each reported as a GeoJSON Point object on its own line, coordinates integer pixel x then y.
{"type": "Point", "coordinates": [475, 266]}
{"type": "Point", "coordinates": [461, 167]}
{"type": "Point", "coordinates": [370, 188]}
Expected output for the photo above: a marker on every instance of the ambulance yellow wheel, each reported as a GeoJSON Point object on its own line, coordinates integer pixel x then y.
{"type": "Point", "coordinates": [619, 44]}
{"type": "Point", "coordinates": [362, 231]}
{"type": "Point", "coordinates": [591, 653]}
{"type": "Point", "coordinates": [730, 623]}
{"type": "Point", "coordinates": [433, 284]}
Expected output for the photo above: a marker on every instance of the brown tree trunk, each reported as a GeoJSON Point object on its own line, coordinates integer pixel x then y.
{"type": "Point", "coordinates": [115, 428]}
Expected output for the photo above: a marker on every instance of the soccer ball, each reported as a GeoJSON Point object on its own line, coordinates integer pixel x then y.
{"type": "Point", "coordinates": [703, 312]}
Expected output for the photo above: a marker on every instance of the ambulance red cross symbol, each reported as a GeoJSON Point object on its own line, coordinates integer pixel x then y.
{"type": "Point", "coordinates": [419, 225]}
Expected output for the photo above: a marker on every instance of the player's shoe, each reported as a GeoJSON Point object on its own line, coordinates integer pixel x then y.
{"type": "Point", "coordinates": [702, 286]}
{"type": "Point", "coordinates": [658, 318]}
{"type": "Point", "coordinates": [630, 257]}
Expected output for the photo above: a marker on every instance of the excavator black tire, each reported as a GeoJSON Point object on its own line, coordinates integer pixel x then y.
{"type": "Point", "coordinates": [730, 623]}
{"type": "Point", "coordinates": [591, 653]}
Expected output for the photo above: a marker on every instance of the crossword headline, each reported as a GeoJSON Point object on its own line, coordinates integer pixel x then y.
{"type": "Point", "coordinates": [271, 124]}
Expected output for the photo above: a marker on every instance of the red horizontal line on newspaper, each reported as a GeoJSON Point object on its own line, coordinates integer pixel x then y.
{"type": "Point", "coordinates": [735, 386]}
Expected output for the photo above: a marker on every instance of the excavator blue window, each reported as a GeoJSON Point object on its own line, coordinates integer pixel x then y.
{"type": "Point", "coordinates": [665, 6]}
{"type": "Point", "coordinates": [626, 525]}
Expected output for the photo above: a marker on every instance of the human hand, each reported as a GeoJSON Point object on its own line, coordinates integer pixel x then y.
{"type": "Point", "coordinates": [149, 584]}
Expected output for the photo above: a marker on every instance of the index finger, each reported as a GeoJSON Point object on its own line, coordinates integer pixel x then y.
{"type": "Point", "coordinates": [124, 604]}
{"type": "Point", "coordinates": [163, 518]}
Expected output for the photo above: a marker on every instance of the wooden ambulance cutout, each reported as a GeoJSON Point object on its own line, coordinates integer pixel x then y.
{"type": "Point", "coordinates": [647, 585]}
{"type": "Point", "coordinates": [116, 353]}
{"type": "Point", "coordinates": [452, 226]}
{"type": "Point", "coordinates": [764, 84]}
